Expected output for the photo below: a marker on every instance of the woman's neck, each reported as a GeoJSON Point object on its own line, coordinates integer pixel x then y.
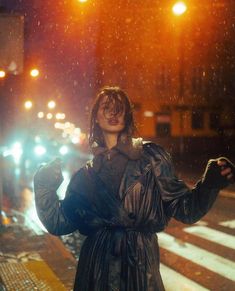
{"type": "Point", "coordinates": [110, 139]}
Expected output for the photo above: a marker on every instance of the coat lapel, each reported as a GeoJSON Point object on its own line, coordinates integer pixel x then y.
{"type": "Point", "coordinates": [134, 171]}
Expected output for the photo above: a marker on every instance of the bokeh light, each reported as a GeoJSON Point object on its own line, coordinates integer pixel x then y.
{"type": "Point", "coordinates": [2, 74]}
{"type": "Point", "coordinates": [28, 104]}
{"type": "Point", "coordinates": [51, 104]}
{"type": "Point", "coordinates": [40, 114]}
{"type": "Point", "coordinates": [34, 73]}
{"type": "Point", "coordinates": [179, 8]}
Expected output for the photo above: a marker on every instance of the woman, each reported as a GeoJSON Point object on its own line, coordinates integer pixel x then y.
{"type": "Point", "coordinates": [121, 199]}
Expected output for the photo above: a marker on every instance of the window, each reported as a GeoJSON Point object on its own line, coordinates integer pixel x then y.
{"type": "Point", "coordinates": [163, 129]}
{"type": "Point", "coordinates": [214, 120]}
{"type": "Point", "coordinates": [197, 119]}
{"type": "Point", "coordinates": [163, 125]}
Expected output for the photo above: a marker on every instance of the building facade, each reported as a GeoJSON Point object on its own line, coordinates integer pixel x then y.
{"type": "Point", "coordinates": [178, 70]}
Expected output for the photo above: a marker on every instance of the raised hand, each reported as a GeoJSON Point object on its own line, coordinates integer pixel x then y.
{"type": "Point", "coordinates": [219, 173]}
{"type": "Point", "coordinates": [49, 175]}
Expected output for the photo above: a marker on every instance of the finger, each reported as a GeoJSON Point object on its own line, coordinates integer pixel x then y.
{"type": "Point", "coordinates": [230, 176]}
{"type": "Point", "coordinates": [226, 171]}
{"type": "Point", "coordinates": [221, 163]}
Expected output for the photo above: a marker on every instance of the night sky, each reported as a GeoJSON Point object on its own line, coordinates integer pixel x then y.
{"type": "Point", "coordinates": [56, 41]}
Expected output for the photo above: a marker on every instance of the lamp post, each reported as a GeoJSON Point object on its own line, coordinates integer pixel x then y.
{"type": "Point", "coordinates": [2, 76]}
{"type": "Point", "coordinates": [34, 73]}
{"type": "Point", "coordinates": [179, 9]}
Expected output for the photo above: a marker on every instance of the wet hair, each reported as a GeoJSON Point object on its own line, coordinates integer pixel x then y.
{"type": "Point", "coordinates": [119, 101]}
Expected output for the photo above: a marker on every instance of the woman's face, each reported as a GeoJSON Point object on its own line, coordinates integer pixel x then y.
{"type": "Point", "coordinates": [110, 116]}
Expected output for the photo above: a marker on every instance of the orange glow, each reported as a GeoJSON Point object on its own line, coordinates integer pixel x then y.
{"type": "Point", "coordinates": [40, 114]}
{"type": "Point", "coordinates": [49, 116]}
{"type": "Point", "coordinates": [28, 105]}
{"type": "Point", "coordinates": [34, 73]}
{"type": "Point", "coordinates": [2, 74]}
{"type": "Point", "coordinates": [179, 8]}
{"type": "Point", "coordinates": [51, 104]}
{"type": "Point", "coordinates": [82, 1]}
{"type": "Point", "coordinates": [60, 116]}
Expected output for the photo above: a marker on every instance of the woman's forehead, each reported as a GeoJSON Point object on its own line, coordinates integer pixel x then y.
{"type": "Point", "coordinates": [106, 99]}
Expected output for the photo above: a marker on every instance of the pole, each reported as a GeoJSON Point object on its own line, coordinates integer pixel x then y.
{"type": "Point", "coordinates": [1, 190]}
{"type": "Point", "coordinates": [1, 155]}
{"type": "Point", "coordinates": [181, 87]}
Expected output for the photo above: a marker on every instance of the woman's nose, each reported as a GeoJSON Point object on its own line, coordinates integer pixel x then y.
{"type": "Point", "coordinates": [112, 112]}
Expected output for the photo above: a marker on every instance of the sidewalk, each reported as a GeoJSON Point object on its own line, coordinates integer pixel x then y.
{"type": "Point", "coordinates": [29, 261]}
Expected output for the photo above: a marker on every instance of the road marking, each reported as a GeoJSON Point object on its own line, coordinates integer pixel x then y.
{"type": "Point", "coordinates": [174, 281]}
{"type": "Point", "coordinates": [213, 262]}
{"type": "Point", "coordinates": [213, 235]}
{"type": "Point", "coordinates": [201, 222]}
{"type": "Point", "coordinates": [228, 223]}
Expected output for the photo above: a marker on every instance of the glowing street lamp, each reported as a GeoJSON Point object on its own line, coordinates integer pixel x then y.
{"type": "Point", "coordinates": [51, 104]}
{"type": "Point", "coordinates": [2, 74]}
{"type": "Point", "coordinates": [60, 116]}
{"type": "Point", "coordinates": [49, 115]}
{"type": "Point", "coordinates": [34, 73]}
{"type": "Point", "coordinates": [82, 1]}
{"type": "Point", "coordinates": [179, 8]}
{"type": "Point", "coordinates": [40, 150]}
{"type": "Point", "coordinates": [28, 105]}
{"type": "Point", "coordinates": [40, 114]}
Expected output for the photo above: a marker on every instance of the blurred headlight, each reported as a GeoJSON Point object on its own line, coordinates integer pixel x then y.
{"type": "Point", "coordinates": [64, 150]}
{"type": "Point", "coordinates": [39, 150]}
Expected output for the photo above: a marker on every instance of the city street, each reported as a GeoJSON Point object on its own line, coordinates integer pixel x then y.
{"type": "Point", "coordinates": [201, 256]}
{"type": "Point", "coordinates": [87, 80]}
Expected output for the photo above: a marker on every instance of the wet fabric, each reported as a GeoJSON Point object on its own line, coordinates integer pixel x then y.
{"type": "Point", "coordinates": [109, 164]}
{"type": "Point", "coordinates": [121, 250]}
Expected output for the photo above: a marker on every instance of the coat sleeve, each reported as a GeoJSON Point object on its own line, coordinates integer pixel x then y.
{"type": "Point", "coordinates": [184, 204]}
{"type": "Point", "coordinates": [49, 208]}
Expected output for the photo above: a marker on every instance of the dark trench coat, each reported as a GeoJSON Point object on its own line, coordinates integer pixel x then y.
{"type": "Point", "coordinates": [121, 249]}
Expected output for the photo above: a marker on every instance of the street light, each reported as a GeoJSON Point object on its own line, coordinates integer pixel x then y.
{"type": "Point", "coordinates": [82, 1]}
{"type": "Point", "coordinates": [49, 115]}
{"type": "Point", "coordinates": [60, 116]}
{"type": "Point", "coordinates": [179, 8]}
{"type": "Point", "coordinates": [28, 105]}
{"type": "Point", "coordinates": [40, 114]}
{"type": "Point", "coordinates": [51, 104]}
{"type": "Point", "coordinates": [34, 73]}
{"type": "Point", "coordinates": [2, 74]}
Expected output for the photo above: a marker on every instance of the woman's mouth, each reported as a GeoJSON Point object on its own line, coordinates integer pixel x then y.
{"type": "Point", "coordinates": [113, 121]}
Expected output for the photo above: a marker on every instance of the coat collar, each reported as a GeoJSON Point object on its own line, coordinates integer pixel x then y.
{"type": "Point", "coordinates": [130, 147]}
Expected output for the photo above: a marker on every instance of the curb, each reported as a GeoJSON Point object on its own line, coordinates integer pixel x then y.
{"type": "Point", "coordinates": [227, 193]}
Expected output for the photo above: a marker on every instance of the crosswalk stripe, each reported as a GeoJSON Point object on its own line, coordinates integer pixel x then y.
{"type": "Point", "coordinates": [228, 223]}
{"type": "Point", "coordinates": [213, 262]}
{"type": "Point", "coordinates": [201, 222]}
{"type": "Point", "coordinates": [174, 281]}
{"type": "Point", "coordinates": [213, 235]}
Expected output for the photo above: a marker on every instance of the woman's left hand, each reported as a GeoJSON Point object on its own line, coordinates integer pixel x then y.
{"type": "Point", "coordinates": [227, 169]}
{"type": "Point", "coordinates": [219, 173]}
{"type": "Point", "coordinates": [49, 176]}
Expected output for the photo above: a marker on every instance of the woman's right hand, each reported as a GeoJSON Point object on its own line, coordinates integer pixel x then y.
{"type": "Point", "coordinates": [219, 173]}
{"type": "Point", "coordinates": [49, 175]}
